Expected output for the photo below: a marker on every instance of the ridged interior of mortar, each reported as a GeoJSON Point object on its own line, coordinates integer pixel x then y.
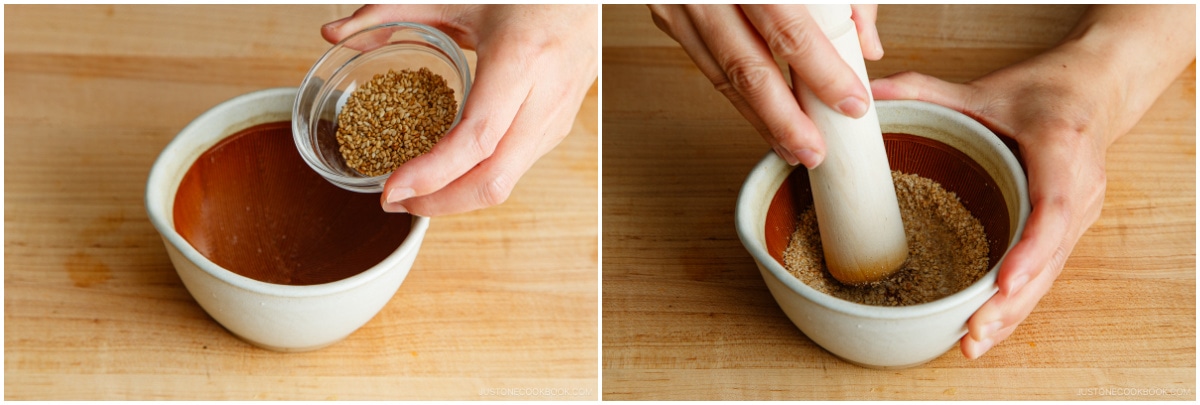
{"type": "Point", "coordinates": [951, 168]}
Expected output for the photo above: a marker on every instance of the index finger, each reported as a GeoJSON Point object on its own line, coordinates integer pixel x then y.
{"type": "Point", "coordinates": [751, 72]}
{"type": "Point", "coordinates": [437, 16]}
{"type": "Point", "coordinates": [792, 34]}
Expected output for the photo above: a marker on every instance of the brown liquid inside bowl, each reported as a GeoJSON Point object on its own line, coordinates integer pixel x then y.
{"type": "Point", "coordinates": [252, 206]}
{"type": "Point", "coordinates": [909, 154]}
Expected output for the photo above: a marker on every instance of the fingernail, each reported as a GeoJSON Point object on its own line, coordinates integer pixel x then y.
{"type": "Point", "coordinates": [399, 194]}
{"type": "Point", "coordinates": [984, 332]}
{"type": "Point", "coordinates": [981, 348]}
{"type": "Point", "coordinates": [395, 208]}
{"type": "Point", "coordinates": [852, 107]}
{"type": "Point", "coordinates": [334, 25]}
{"type": "Point", "coordinates": [809, 158]}
{"type": "Point", "coordinates": [1019, 282]}
{"type": "Point", "coordinates": [785, 155]}
{"type": "Point", "coordinates": [989, 330]}
{"type": "Point", "coordinates": [878, 44]}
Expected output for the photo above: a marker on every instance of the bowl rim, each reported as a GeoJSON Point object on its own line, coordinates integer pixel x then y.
{"type": "Point", "coordinates": [745, 219]}
{"type": "Point", "coordinates": [160, 185]}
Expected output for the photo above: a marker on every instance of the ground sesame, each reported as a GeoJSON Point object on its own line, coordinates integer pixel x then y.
{"type": "Point", "coordinates": [393, 118]}
{"type": "Point", "coordinates": [948, 250]}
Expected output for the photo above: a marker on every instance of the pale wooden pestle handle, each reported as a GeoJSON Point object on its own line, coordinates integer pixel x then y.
{"type": "Point", "coordinates": [853, 194]}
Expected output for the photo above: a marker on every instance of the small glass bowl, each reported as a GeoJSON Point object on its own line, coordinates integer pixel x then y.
{"type": "Point", "coordinates": [353, 62]}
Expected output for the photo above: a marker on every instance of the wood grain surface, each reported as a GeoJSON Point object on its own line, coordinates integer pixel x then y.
{"type": "Point", "coordinates": [686, 314]}
{"type": "Point", "coordinates": [499, 299]}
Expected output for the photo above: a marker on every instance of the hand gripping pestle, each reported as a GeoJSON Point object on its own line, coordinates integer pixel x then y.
{"type": "Point", "coordinates": [853, 195]}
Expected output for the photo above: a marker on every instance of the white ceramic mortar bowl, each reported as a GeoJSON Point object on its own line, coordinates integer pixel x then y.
{"type": "Point", "coordinates": [875, 336]}
{"type": "Point", "coordinates": [273, 316]}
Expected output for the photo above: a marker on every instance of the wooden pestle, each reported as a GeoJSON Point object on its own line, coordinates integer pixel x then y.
{"type": "Point", "coordinates": [857, 213]}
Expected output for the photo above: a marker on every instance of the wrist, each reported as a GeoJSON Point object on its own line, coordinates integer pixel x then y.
{"type": "Point", "coordinates": [1137, 51]}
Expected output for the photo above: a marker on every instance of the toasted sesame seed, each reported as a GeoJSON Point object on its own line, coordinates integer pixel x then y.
{"type": "Point", "coordinates": [384, 113]}
{"type": "Point", "coordinates": [947, 249]}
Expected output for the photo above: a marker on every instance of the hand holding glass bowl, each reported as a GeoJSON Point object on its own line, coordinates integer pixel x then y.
{"type": "Point", "coordinates": [346, 68]}
{"type": "Point", "coordinates": [535, 65]}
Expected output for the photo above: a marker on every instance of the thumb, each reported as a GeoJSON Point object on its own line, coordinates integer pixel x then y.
{"type": "Point", "coordinates": [916, 86]}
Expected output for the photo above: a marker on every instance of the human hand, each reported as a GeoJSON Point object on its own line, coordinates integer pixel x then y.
{"type": "Point", "coordinates": [1064, 108]}
{"type": "Point", "coordinates": [1064, 157]}
{"type": "Point", "coordinates": [535, 65]}
{"type": "Point", "coordinates": [733, 45]}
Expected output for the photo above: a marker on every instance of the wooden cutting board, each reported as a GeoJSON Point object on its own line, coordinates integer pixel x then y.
{"type": "Point", "coordinates": [686, 314]}
{"type": "Point", "coordinates": [501, 303]}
